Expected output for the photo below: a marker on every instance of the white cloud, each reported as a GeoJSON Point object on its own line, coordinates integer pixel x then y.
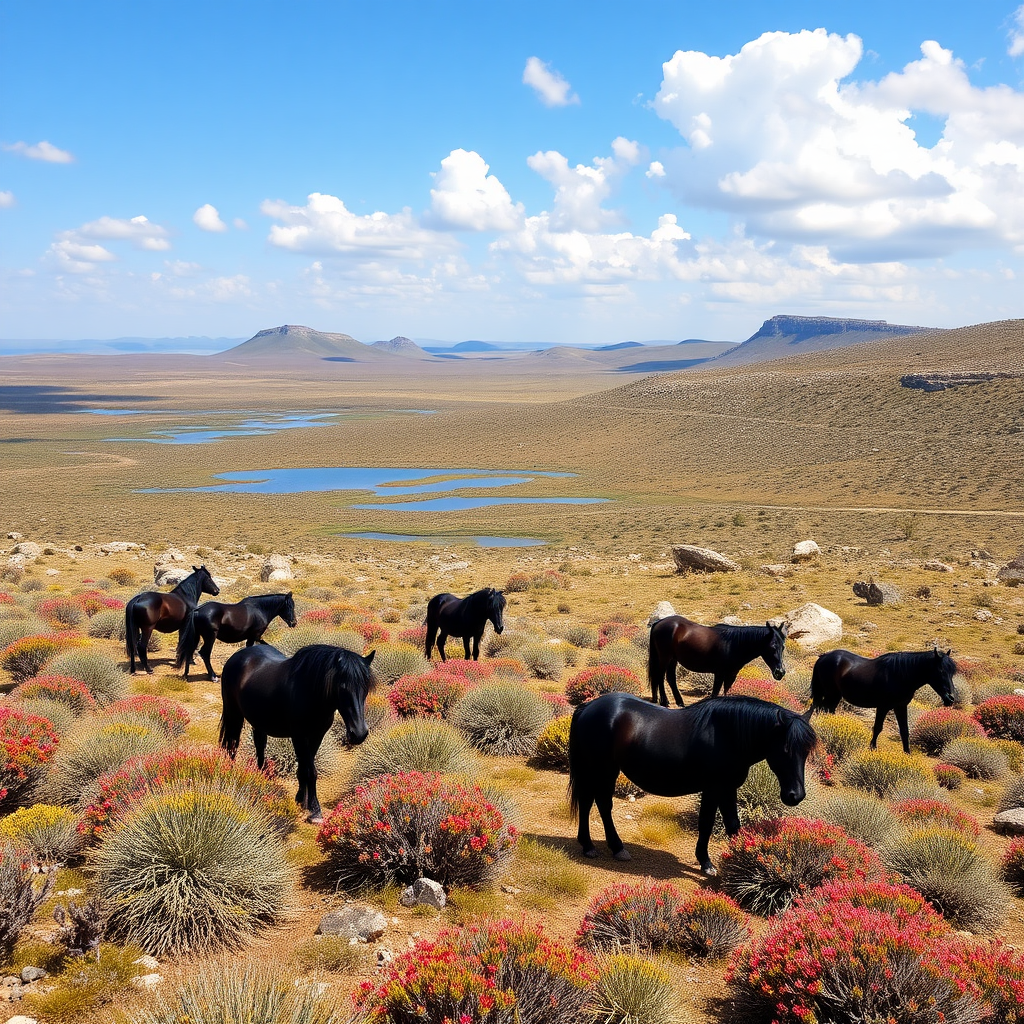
{"type": "Point", "coordinates": [7, 200]}
{"type": "Point", "coordinates": [1016, 47]}
{"type": "Point", "coordinates": [78, 251]}
{"type": "Point", "coordinates": [77, 257]}
{"type": "Point", "coordinates": [182, 268]}
{"type": "Point", "coordinates": [45, 151]}
{"type": "Point", "coordinates": [240, 224]}
{"type": "Point", "coordinates": [551, 88]}
{"type": "Point", "coordinates": [466, 197]}
{"type": "Point", "coordinates": [206, 218]}
{"type": "Point", "coordinates": [656, 170]}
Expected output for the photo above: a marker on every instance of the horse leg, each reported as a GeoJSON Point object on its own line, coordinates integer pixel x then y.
{"type": "Point", "coordinates": [466, 641]}
{"type": "Point", "coordinates": [441, 641]}
{"type": "Point", "coordinates": [476, 647]}
{"type": "Point", "coordinates": [316, 815]}
{"type": "Point", "coordinates": [604, 807]}
{"type": "Point", "coordinates": [300, 770]}
{"type": "Point", "coordinates": [719, 683]}
{"type": "Point", "coordinates": [205, 651]}
{"type": "Point", "coordinates": [259, 741]}
{"type": "Point", "coordinates": [730, 812]}
{"type": "Point", "coordinates": [144, 636]}
{"type": "Point", "coordinates": [670, 675]}
{"type": "Point", "coordinates": [585, 801]}
{"type": "Point", "coordinates": [705, 826]}
{"type": "Point", "coordinates": [900, 712]}
{"type": "Point", "coordinates": [879, 722]}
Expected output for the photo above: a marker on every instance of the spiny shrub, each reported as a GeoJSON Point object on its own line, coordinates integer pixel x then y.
{"type": "Point", "coordinates": [643, 915]}
{"type": "Point", "coordinates": [398, 828]}
{"type": "Point", "coordinates": [508, 668]}
{"type": "Point", "coordinates": [186, 766]}
{"type": "Point", "coordinates": [92, 602]}
{"type": "Point", "coordinates": [760, 798]}
{"type": "Point", "coordinates": [24, 658]}
{"type": "Point", "coordinates": [582, 635]}
{"type": "Point", "coordinates": [376, 711]}
{"type": "Point", "coordinates": [619, 655]}
{"type": "Point", "coordinates": [280, 753]}
{"type": "Point", "coordinates": [72, 693]}
{"type": "Point", "coordinates": [12, 629]}
{"type": "Point", "coordinates": [19, 897]}
{"type": "Point", "coordinates": [430, 695]}
{"type": "Point", "coordinates": [1012, 866]}
{"type": "Point", "coordinates": [167, 714]}
{"type": "Point", "coordinates": [494, 972]}
{"type": "Point", "coordinates": [109, 625]}
{"type": "Point", "coordinates": [392, 661]}
{"type": "Point", "coordinates": [862, 815]}
{"type": "Point", "coordinates": [841, 735]}
{"type": "Point", "coordinates": [926, 813]}
{"type": "Point", "coordinates": [764, 689]}
{"type": "Point", "coordinates": [517, 583]}
{"type": "Point", "coordinates": [935, 728]}
{"type": "Point", "coordinates": [633, 990]}
{"type": "Point", "coordinates": [191, 870]}
{"type": "Point", "coordinates": [712, 925]}
{"type": "Point", "coordinates": [881, 771]}
{"type": "Point", "coordinates": [552, 750]}
{"type": "Point", "coordinates": [60, 716]}
{"type": "Point", "coordinates": [106, 682]}
{"type": "Point", "coordinates": [948, 776]}
{"type": "Point", "coordinates": [49, 834]}
{"type": "Point", "coordinates": [615, 631]}
{"type": "Point", "coordinates": [501, 718]}
{"type": "Point", "coordinates": [1002, 717]}
{"type": "Point", "coordinates": [593, 682]}
{"type": "Point", "coordinates": [373, 633]}
{"type": "Point", "coordinates": [419, 745]}
{"type": "Point", "coordinates": [1014, 752]}
{"type": "Point", "coordinates": [769, 863]}
{"type": "Point", "coordinates": [27, 743]}
{"type": "Point", "coordinates": [543, 661]}
{"type": "Point", "coordinates": [89, 985]}
{"type": "Point", "coordinates": [291, 640]}
{"type": "Point", "coordinates": [81, 927]}
{"type": "Point", "coordinates": [60, 612]}
{"type": "Point", "coordinates": [510, 643]}
{"type": "Point", "coordinates": [416, 636]}
{"type": "Point", "coordinates": [471, 671]}
{"type": "Point", "coordinates": [122, 576]}
{"type": "Point", "coordinates": [948, 870]}
{"type": "Point", "coordinates": [980, 759]}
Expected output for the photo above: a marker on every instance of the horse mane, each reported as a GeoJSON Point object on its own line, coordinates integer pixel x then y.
{"type": "Point", "coordinates": [905, 666]}
{"type": "Point", "coordinates": [751, 716]}
{"type": "Point", "coordinates": [322, 664]}
{"type": "Point", "coordinates": [190, 586]}
{"type": "Point", "coordinates": [729, 633]}
{"type": "Point", "coordinates": [493, 600]}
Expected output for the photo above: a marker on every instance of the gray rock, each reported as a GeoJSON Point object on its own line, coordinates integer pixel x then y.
{"type": "Point", "coordinates": [118, 547]}
{"type": "Point", "coordinates": [780, 570]}
{"type": "Point", "coordinates": [426, 892]}
{"type": "Point", "coordinates": [877, 594]}
{"type": "Point", "coordinates": [14, 535]}
{"type": "Point", "coordinates": [276, 569]}
{"type": "Point", "coordinates": [1011, 821]}
{"type": "Point", "coordinates": [662, 610]}
{"type": "Point", "coordinates": [934, 565]}
{"type": "Point", "coordinates": [165, 575]}
{"type": "Point", "coordinates": [30, 974]}
{"type": "Point", "coordinates": [689, 558]}
{"type": "Point", "coordinates": [20, 1018]}
{"type": "Point", "coordinates": [28, 548]}
{"type": "Point", "coordinates": [811, 625]}
{"type": "Point", "coordinates": [149, 962]}
{"type": "Point", "coordinates": [354, 921]}
{"type": "Point", "coordinates": [806, 551]}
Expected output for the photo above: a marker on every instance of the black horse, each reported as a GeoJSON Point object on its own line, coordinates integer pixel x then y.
{"type": "Point", "coordinates": [721, 650]}
{"type": "Point", "coordinates": [231, 623]}
{"type": "Point", "coordinates": [886, 683]}
{"type": "Point", "coordinates": [164, 612]}
{"type": "Point", "coordinates": [295, 697]}
{"type": "Point", "coordinates": [707, 748]}
{"type": "Point", "coordinates": [464, 617]}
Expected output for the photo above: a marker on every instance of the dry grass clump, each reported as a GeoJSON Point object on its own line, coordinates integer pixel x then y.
{"type": "Point", "coordinates": [100, 673]}
{"type": "Point", "coordinates": [391, 661]}
{"type": "Point", "coordinates": [552, 750]}
{"type": "Point", "coordinates": [507, 644]}
{"type": "Point", "coordinates": [416, 745]}
{"type": "Point", "coordinates": [712, 925]}
{"type": "Point", "coordinates": [332, 953]}
{"type": "Point", "coordinates": [548, 874]}
{"type": "Point", "coordinates": [632, 990]}
{"type": "Point", "coordinates": [841, 735]}
{"type": "Point", "coordinates": [580, 634]}
{"type": "Point", "coordinates": [979, 758]}
{"type": "Point", "coordinates": [1013, 795]}
{"type": "Point", "coordinates": [862, 815]}
{"type": "Point", "coordinates": [12, 629]}
{"type": "Point", "coordinates": [543, 661]}
{"type": "Point", "coordinates": [882, 771]}
{"type": "Point", "coordinates": [291, 640]}
{"type": "Point", "coordinates": [501, 718]}
{"type": "Point", "coordinates": [621, 655]}
{"type": "Point", "coordinates": [48, 834]}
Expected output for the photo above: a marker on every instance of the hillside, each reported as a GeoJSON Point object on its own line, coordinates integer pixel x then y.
{"type": "Point", "coordinates": [400, 346]}
{"type": "Point", "coordinates": [293, 340]}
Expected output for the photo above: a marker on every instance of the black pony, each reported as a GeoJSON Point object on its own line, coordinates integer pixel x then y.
{"type": "Point", "coordinates": [707, 748]}
{"type": "Point", "coordinates": [231, 623]}
{"type": "Point", "coordinates": [886, 683]}
{"type": "Point", "coordinates": [164, 612]}
{"type": "Point", "coordinates": [720, 650]}
{"type": "Point", "coordinates": [295, 697]}
{"type": "Point", "coordinates": [463, 617]}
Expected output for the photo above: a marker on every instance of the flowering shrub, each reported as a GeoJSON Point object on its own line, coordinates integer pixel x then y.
{"type": "Point", "coordinates": [373, 632]}
{"type": "Point", "coordinates": [60, 612]}
{"type": "Point", "coordinates": [558, 703]}
{"type": "Point", "coordinates": [999, 974]}
{"type": "Point", "coordinates": [592, 682]}
{"type": "Point", "coordinates": [510, 668]}
{"type": "Point", "coordinates": [1013, 866]}
{"type": "Point", "coordinates": [97, 669]}
{"type": "Point", "coordinates": [317, 617]}
{"type": "Point", "coordinates": [610, 632]}
{"type": "Point", "coordinates": [769, 863]}
{"type": "Point", "coordinates": [1002, 717]}
{"type": "Point", "coordinates": [72, 693]}
{"type": "Point", "coordinates": [552, 750]}
{"type": "Point", "coordinates": [190, 766]}
{"type": "Point", "coordinates": [979, 758]}
{"type": "Point", "coordinates": [840, 735]}
{"type": "Point", "coordinates": [25, 657]}
{"type": "Point", "coordinates": [168, 714]}
{"type": "Point", "coordinates": [471, 671]}
{"type": "Point", "coordinates": [764, 689]}
{"type": "Point", "coordinates": [6, 598]}
{"type": "Point", "coordinates": [517, 583]}
{"type": "Point", "coordinates": [882, 771]}
{"type": "Point", "coordinates": [27, 742]}
{"type": "Point", "coordinates": [431, 694]}
{"type": "Point", "coordinates": [94, 601]}
{"type": "Point", "coordinates": [935, 728]}
{"type": "Point", "coordinates": [922, 813]}
{"type": "Point", "coordinates": [948, 776]}
{"type": "Point", "coordinates": [495, 972]}
{"type": "Point", "coordinates": [416, 635]}
{"type": "Point", "coordinates": [712, 925]}
{"type": "Point", "coordinates": [49, 834]}
{"type": "Point", "coordinates": [398, 828]}
{"type": "Point", "coordinates": [645, 915]}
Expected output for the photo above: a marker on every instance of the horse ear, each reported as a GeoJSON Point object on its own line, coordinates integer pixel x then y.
{"type": "Point", "coordinates": [949, 653]}
{"type": "Point", "coordinates": [195, 568]}
{"type": "Point", "coordinates": [806, 716]}
{"type": "Point", "coordinates": [369, 658]}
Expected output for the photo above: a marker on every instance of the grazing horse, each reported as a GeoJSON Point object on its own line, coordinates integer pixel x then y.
{"type": "Point", "coordinates": [294, 697]}
{"type": "Point", "coordinates": [721, 650]}
{"type": "Point", "coordinates": [707, 748]}
{"type": "Point", "coordinates": [464, 617]}
{"type": "Point", "coordinates": [886, 683]}
{"type": "Point", "coordinates": [164, 612]}
{"type": "Point", "coordinates": [231, 623]}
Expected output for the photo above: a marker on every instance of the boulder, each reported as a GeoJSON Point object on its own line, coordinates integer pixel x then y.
{"type": "Point", "coordinates": [425, 892]}
{"type": "Point", "coordinates": [805, 551]}
{"type": "Point", "coordinates": [779, 570]}
{"type": "Point", "coordinates": [172, 555]}
{"type": "Point", "coordinates": [1011, 821]}
{"type": "Point", "coordinates": [119, 547]}
{"type": "Point", "coordinates": [354, 921]}
{"type": "Point", "coordinates": [170, 575]}
{"type": "Point", "coordinates": [811, 625]}
{"type": "Point", "coordinates": [877, 593]}
{"type": "Point", "coordinates": [28, 548]}
{"type": "Point", "coordinates": [276, 569]}
{"type": "Point", "coordinates": [30, 974]}
{"type": "Point", "coordinates": [20, 1018]}
{"type": "Point", "coordinates": [1012, 574]}
{"type": "Point", "coordinates": [934, 565]}
{"type": "Point", "coordinates": [662, 610]}
{"type": "Point", "coordinates": [693, 559]}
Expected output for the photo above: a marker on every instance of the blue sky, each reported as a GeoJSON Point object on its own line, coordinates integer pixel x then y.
{"type": "Point", "coordinates": [558, 172]}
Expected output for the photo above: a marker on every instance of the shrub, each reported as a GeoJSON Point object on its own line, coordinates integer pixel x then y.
{"type": "Point", "coordinates": [642, 915]}
{"type": "Point", "coordinates": [81, 927]}
{"type": "Point", "coordinates": [49, 834]}
{"type": "Point", "coordinates": [494, 972]}
{"type": "Point", "coordinates": [759, 798]}
{"type": "Point", "coordinates": [619, 655]}
{"type": "Point", "coordinates": [419, 745]}
{"type": "Point", "coordinates": [92, 602]}
{"type": "Point", "coordinates": [416, 636]}
{"type": "Point", "coordinates": [517, 583]}
{"type": "Point", "coordinates": [1012, 866]}
{"type": "Point", "coordinates": [24, 658]}
{"type": "Point", "coordinates": [1002, 717]}
{"type": "Point", "coordinates": [713, 925]}
{"type": "Point", "coordinates": [580, 635]}
{"type": "Point", "coordinates": [766, 690]}
{"type": "Point", "coordinates": [60, 716]}
{"type": "Point", "coordinates": [291, 640]}
{"type": "Point", "coordinates": [60, 612]}
{"type": "Point", "coordinates": [881, 771]}
{"type": "Point", "coordinates": [935, 728]}
{"type": "Point", "coordinates": [948, 776]}
{"type": "Point", "coordinates": [431, 695]}
{"type": "Point", "coordinates": [122, 576]}
{"type": "Point", "coordinates": [508, 668]}
{"type": "Point", "coordinates": [392, 661]}
{"type": "Point", "coordinates": [373, 633]}
{"type": "Point", "coordinates": [980, 759]}
{"type": "Point", "coordinates": [167, 714]}
{"type": "Point", "coordinates": [552, 750]}
{"type": "Point", "coordinates": [281, 759]}
{"type": "Point", "coordinates": [769, 863]}
{"type": "Point", "coordinates": [592, 682]}
{"type": "Point", "coordinates": [190, 870]}
{"type": "Point", "coordinates": [543, 661]}
{"type": "Point", "coordinates": [470, 671]}
{"type": "Point", "coordinates": [841, 735]}
{"type": "Point", "coordinates": [376, 711]}
{"type": "Point", "coordinates": [862, 815]}
{"type": "Point", "coordinates": [27, 743]}
{"type": "Point", "coordinates": [19, 897]}
{"type": "Point", "coordinates": [512, 640]}
{"type": "Point", "coordinates": [72, 693]}
{"type": "Point", "coordinates": [398, 828]}
{"type": "Point", "coordinates": [947, 869]}
{"type": "Point", "coordinates": [188, 766]}
{"type": "Point", "coordinates": [927, 813]}
{"type": "Point", "coordinates": [501, 718]}
{"type": "Point", "coordinates": [12, 629]}
{"type": "Point", "coordinates": [615, 631]}
{"type": "Point", "coordinates": [1014, 752]}
{"type": "Point", "coordinates": [632, 990]}
{"type": "Point", "coordinates": [106, 682]}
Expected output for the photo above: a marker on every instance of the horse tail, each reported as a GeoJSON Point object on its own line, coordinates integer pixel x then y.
{"type": "Point", "coordinates": [188, 641]}
{"type": "Point", "coordinates": [129, 628]}
{"type": "Point", "coordinates": [232, 721]}
{"type": "Point", "coordinates": [821, 684]}
{"type": "Point", "coordinates": [431, 623]}
{"type": "Point", "coordinates": [655, 673]}
{"type": "Point", "coordinates": [574, 766]}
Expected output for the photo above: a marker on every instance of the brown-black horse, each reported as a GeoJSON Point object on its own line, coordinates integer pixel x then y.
{"type": "Point", "coordinates": [720, 650]}
{"type": "Point", "coordinates": [163, 612]}
{"type": "Point", "coordinates": [231, 623]}
{"type": "Point", "coordinates": [295, 697]}
{"type": "Point", "coordinates": [464, 617]}
{"type": "Point", "coordinates": [886, 683]}
{"type": "Point", "coordinates": [707, 748]}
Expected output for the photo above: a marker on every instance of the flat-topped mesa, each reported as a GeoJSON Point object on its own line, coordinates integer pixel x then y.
{"type": "Point", "coordinates": [296, 340]}
{"type": "Point", "coordinates": [798, 327]}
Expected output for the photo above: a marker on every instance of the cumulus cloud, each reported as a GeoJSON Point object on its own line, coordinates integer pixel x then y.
{"type": "Point", "coordinates": [206, 218]}
{"type": "Point", "coordinates": [551, 88]}
{"type": "Point", "coordinates": [45, 151]}
{"type": "Point", "coordinates": [78, 251]}
{"type": "Point", "coordinates": [1016, 47]}
{"type": "Point", "coordinates": [7, 200]}
{"type": "Point", "coordinates": [466, 197]}
{"type": "Point", "coordinates": [656, 170]}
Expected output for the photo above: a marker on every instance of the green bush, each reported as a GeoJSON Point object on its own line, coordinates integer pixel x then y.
{"type": "Point", "coordinates": [49, 834]}
{"type": "Point", "coordinates": [882, 771]}
{"type": "Point", "coordinates": [17, 629]}
{"type": "Point", "coordinates": [581, 635]}
{"type": "Point", "coordinates": [841, 735]}
{"type": "Point", "coordinates": [391, 661]}
{"type": "Point", "coordinates": [632, 990]}
{"type": "Point", "coordinates": [106, 682]}
{"type": "Point", "coordinates": [501, 718]}
{"type": "Point", "coordinates": [1013, 795]}
{"type": "Point", "coordinates": [862, 815]}
{"type": "Point", "coordinates": [935, 728]}
{"type": "Point", "coordinates": [980, 759]}
{"type": "Point", "coordinates": [544, 661]}
{"type": "Point", "coordinates": [414, 745]}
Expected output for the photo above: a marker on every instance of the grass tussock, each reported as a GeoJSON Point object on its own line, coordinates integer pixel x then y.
{"type": "Point", "coordinates": [417, 745]}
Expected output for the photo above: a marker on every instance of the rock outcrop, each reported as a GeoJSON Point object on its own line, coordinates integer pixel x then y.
{"type": "Point", "coordinates": [689, 558]}
{"type": "Point", "coordinates": [811, 625]}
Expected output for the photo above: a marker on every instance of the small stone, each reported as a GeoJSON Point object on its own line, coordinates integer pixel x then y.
{"type": "Point", "coordinates": [53, 572]}
{"type": "Point", "coordinates": [150, 963]}
{"type": "Point", "coordinates": [14, 535]}
{"type": "Point", "coordinates": [384, 956]}
{"type": "Point", "coordinates": [983, 615]}
{"type": "Point", "coordinates": [778, 570]}
{"type": "Point", "coordinates": [934, 565]}
{"type": "Point", "coordinates": [869, 627]}
{"type": "Point", "coordinates": [20, 1018]}
{"type": "Point", "coordinates": [147, 980]}
{"type": "Point", "coordinates": [357, 920]}
{"type": "Point", "coordinates": [511, 890]}
{"type": "Point", "coordinates": [70, 892]}
{"type": "Point", "coordinates": [424, 892]}
{"type": "Point", "coordinates": [11, 981]}
{"type": "Point", "coordinates": [28, 548]}
{"type": "Point", "coordinates": [30, 974]}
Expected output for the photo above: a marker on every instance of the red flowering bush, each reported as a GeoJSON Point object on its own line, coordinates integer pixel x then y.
{"type": "Point", "coordinates": [558, 703]}
{"type": "Point", "coordinates": [60, 612]}
{"type": "Point", "coordinates": [645, 915]}
{"type": "Point", "coordinates": [94, 601]}
{"type": "Point", "coordinates": [922, 813]}
{"type": "Point", "coordinates": [473, 671]}
{"type": "Point", "coordinates": [1002, 717]}
{"type": "Point", "coordinates": [398, 828]}
{"type": "Point", "coordinates": [373, 632]}
{"type": "Point", "coordinates": [416, 635]}
{"type": "Point", "coordinates": [495, 972]}
{"type": "Point", "coordinates": [60, 689]}
{"type": "Point", "coordinates": [25, 657]}
{"type": "Point", "coordinates": [935, 728]}
{"type": "Point", "coordinates": [27, 742]}
{"type": "Point", "coordinates": [609, 632]}
{"type": "Point", "coordinates": [188, 766]}
{"type": "Point", "coordinates": [999, 974]}
{"type": "Point", "coordinates": [764, 689]}
{"type": "Point", "coordinates": [168, 714]}
{"type": "Point", "coordinates": [431, 694]}
{"type": "Point", "coordinates": [770, 863]}
{"type": "Point", "coordinates": [712, 925]}
{"type": "Point", "coordinates": [1013, 866]}
{"type": "Point", "coordinates": [317, 617]}
{"type": "Point", "coordinates": [6, 598]}
{"type": "Point", "coordinates": [511, 668]}
{"type": "Point", "coordinates": [949, 776]}
{"type": "Point", "coordinates": [517, 583]}
{"type": "Point", "coordinates": [592, 682]}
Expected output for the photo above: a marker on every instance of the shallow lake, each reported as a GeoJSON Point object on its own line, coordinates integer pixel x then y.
{"type": "Point", "coordinates": [482, 542]}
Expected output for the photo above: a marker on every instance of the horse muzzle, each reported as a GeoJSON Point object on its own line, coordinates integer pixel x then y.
{"type": "Point", "coordinates": [355, 738]}
{"type": "Point", "coordinates": [779, 673]}
{"type": "Point", "coordinates": [499, 629]}
{"type": "Point", "coordinates": [793, 798]}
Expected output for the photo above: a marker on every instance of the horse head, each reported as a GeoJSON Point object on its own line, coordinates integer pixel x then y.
{"type": "Point", "coordinates": [496, 609]}
{"type": "Point", "coordinates": [793, 742]}
{"type": "Point", "coordinates": [350, 697]}
{"type": "Point", "coordinates": [287, 611]}
{"type": "Point", "coordinates": [775, 649]}
{"type": "Point", "coordinates": [206, 584]}
{"type": "Point", "coordinates": [945, 669]}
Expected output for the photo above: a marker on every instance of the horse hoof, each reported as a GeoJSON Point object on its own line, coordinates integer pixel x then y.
{"type": "Point", "coordinates": [622, 855]}
{"type": "Point", "coordinates": [316, 819]}
{"type": "Point", "coordinates": [710, 870]}
{"type": "Point", "coordinates": [591, 853]}
{"type": "Point", "coordinates": [214, 679]}
{"type": "Point", "coordinates": [149, 671]}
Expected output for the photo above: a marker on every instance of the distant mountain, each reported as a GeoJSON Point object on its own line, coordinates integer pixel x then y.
{"type": "Point", "coordinates": [111, 346]}
{"type": "Point", "coordinates": [399, 346]}
{"type": "Point", "coordinates": [620, 345]}
{"type": "Point", "coordinates": [463, 346]}
{"type": "Point", "coordinates": [293, 340]}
